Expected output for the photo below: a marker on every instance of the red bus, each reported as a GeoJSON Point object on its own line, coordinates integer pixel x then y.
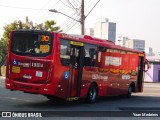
{"type": "Point", "coordinates": [71, 66]}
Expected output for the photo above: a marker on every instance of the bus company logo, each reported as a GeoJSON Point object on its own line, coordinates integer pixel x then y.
{"type": "Point", "coordinates": [6, 114]}
{"type": "Point", "coordinates": [15, 62]}
{"type": "Point", "coordinates": [24, 64]}
{"type": "Point", "coordinates": [126, 77]}
{"type": "Point", "coordinates": [21, 114]}
{"type": "Point", "coordinates": [96, 77]}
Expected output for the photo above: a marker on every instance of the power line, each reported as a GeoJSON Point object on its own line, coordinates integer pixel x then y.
{"type": "Point", "coordinates": [78, 25]}
{"type": "Point", "coordinates": [16, 7]}
{"type": "Point", "coordinates": [65, 4]}
{"type": "Point", "coordinates": [42, 8]}
{"type": "Point", "coordinates": [71, 4]}
{"type": "Point", "coordinates": [69, 24]}
{"type": "Point", "coordinates": [73, 23]}
{"type": "Point", "coordinates": [75, 3]}
{"type": "Point", "coordinates": [65, 23]}
{"type": "Point", "coordinates": [92, 8]}
{"type": "Point", "coordinates": [45, 13]}
{"type": "Point", "coordinates": [77, 8]}
{"type": "Point", "coordinates": [78, 1]}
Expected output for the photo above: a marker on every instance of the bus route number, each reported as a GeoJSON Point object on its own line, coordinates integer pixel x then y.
{"type": "Point", "coordinates": [44, 38]}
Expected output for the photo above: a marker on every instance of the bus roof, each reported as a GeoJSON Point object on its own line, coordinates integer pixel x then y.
{"type": "Point", "coordinates": [98, 41]}
{"type": "Point", "coordinates": [88, 39]}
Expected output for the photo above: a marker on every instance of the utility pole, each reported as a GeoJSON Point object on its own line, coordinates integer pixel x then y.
{"type": "Point", "coordinates": [82, 19]}
{"type": "Point", "coordinates": [82, 16]}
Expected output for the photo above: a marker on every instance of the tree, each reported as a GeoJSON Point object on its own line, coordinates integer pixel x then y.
{"type": "Point", "coordinates": [18, 24]}
{"type": "Point", "coordinates": [49, 25]}
{"type": "Point", "coordinates": [15, 25]}
{"type": "Point", "coordinates": [3, 52]}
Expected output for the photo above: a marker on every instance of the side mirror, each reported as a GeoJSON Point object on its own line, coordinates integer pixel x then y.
{"type": "Point", "coordinates": [146, 65]}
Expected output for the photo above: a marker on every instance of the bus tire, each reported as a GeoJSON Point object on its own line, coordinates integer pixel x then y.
{"type": "Point", "coordinates": [129, 94]}
{"type": "Point", "coordinates": [92, 94]}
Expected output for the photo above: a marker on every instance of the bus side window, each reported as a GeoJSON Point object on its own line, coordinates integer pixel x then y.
{"type": "Point", "coordinates": [102, 60]}
{"type": "Point", "coordinates": [87, 61]}
{"type": "Point", "coordinates": [90, 55]}
{"type": "Point", "coordinates": [65, 52]}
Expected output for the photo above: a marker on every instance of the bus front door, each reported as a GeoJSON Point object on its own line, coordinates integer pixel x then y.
{"type": "Point", "coordinates": [140, 74]}
{"type": "Point", "coordinates": [76, 67]}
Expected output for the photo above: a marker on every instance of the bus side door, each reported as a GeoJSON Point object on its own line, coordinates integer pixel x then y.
{"type": "Point", "coordinates": [76, 67]}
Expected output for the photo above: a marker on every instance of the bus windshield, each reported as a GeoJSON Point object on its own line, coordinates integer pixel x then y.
{"type": "Point", "coordinates": [31, 43]}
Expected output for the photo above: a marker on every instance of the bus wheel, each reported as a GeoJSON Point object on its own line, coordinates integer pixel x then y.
{"type": "Point", "coordinates": [129, 94]}
{"type": "Point", "coordinates": [92, 94]}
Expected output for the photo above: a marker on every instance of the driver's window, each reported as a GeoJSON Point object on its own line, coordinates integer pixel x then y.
{"type": "Point", "coordinates": [65, 52]}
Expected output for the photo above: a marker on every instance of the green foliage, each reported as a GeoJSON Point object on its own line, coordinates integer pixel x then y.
{"type": "Point", "coordinates": [3, 51]}
{"type": "Point", "coordinates": [49, 25]}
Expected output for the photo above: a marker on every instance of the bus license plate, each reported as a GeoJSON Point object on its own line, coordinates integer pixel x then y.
{"type": "Point", "coordinates": [15, 69]}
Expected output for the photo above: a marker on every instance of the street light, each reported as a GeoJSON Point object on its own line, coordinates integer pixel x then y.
{"type": "Point", "coordinates": [55, 11]}
{"type": "Point", "coordinates": [81, 21]}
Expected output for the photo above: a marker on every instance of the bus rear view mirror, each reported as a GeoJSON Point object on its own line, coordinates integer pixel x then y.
{"type": "Point", "coordinates": [147, 66]}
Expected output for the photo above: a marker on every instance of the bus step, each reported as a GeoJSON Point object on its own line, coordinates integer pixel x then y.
{"type": "Point", "coordinates": [72, 98]}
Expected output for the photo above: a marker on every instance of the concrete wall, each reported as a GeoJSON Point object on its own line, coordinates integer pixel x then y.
{"type": "Point", "coordinates": [152, 74]}
{"type": "Point", "coordinates": [149, 75]}
{"type": "Point", "coordinates": [155, 73]}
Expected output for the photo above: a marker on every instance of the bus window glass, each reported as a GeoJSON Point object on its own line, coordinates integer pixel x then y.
{"type": "Point", "coordinates": [90, 55]}
{"type": "Point", "coordinates": [28, 43]}
{"type": "Point", "coordinates": [103, 59]}
{"type": "Point", "coordinates": [65, 52]}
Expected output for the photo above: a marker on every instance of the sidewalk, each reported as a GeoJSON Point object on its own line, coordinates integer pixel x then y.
{"type": "Point", "coordinates": [2, 78]}
{"type": "Point", "coordinates": [2, 81]}
{"type": "Point", "coordinates": [151, 84]}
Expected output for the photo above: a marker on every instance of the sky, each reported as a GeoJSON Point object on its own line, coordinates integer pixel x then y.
{"type": "Point", "coordinates": [136, 19]}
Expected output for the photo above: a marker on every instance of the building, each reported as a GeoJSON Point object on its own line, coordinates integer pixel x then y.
{"type": "Point", "coordinates": [121, 41]}
{"type": "Point", "coordinates": [89, 31]}
{"type": "Point", "coordinates": [136, 44]}
{"type": "Point", "coordinates": [105, 30]}
{"type": "Point", "coordinates": [158, 53]}
{"type": "Point", "coordinates": [153, 74]}
{"type": "Point", "coordinates": [149, 51]}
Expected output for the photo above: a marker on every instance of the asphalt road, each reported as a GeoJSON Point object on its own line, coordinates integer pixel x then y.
{"type": "Point", "coordinates": [147, 102]}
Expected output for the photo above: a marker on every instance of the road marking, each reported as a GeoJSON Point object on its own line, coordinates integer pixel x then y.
{"type": "Point", "coordinates": [13, 98]}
